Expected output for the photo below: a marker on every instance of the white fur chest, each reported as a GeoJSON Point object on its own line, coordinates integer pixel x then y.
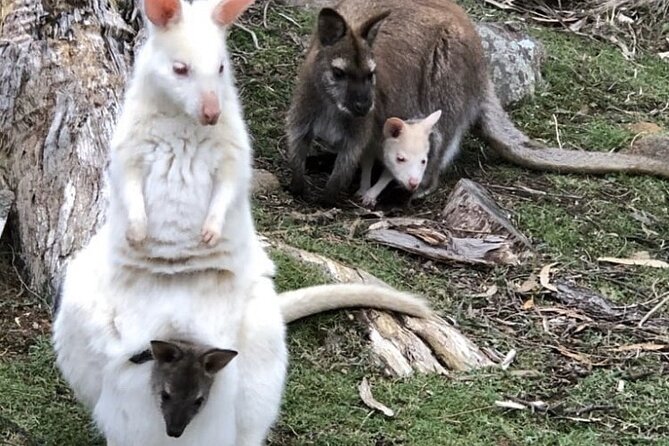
{"type": "Point", "coordinates": [179, 163]}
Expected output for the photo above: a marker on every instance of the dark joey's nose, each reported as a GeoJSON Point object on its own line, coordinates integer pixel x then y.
{"type": "Point", "coordinates": [360, 108]}
{"type": "Point", "coordinates": [175, 432]}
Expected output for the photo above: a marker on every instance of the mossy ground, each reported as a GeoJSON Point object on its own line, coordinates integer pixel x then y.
{"type": "Point", "coordinates": [592, 92]}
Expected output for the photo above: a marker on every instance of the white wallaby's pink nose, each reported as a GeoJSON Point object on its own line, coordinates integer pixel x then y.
{"type": "Point", "coordinates": [413, 183]}
{"type": "Point", "coordinates": [211, 109]}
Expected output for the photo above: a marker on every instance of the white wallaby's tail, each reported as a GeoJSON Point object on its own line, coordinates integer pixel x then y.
{"type": "Point", "coordinates": [516, 147]}
{"type": "Point", "coordinates": [312, 300]}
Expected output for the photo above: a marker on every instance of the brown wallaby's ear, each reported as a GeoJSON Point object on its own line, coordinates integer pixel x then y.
{"type": "Point", "coordinates": [331, 27]}
{"type": "Point", "coordinates": [163, 351]}
{"type": "Point", "coordinates": [162, 12]}
{"type": "Point", "coordinates": [393, 128]}
{"type": "Point", "coordinates": [227, 11]}
{"type": "Point", "coordinates": [370, 28]}
{"type": "Point", "coordinates": [215, 359]}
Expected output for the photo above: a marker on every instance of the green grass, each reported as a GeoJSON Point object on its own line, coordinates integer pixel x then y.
{"type": "Point", "coordinates": [592, 92]}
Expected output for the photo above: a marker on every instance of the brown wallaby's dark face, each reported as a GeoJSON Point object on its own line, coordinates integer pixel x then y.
{"type": "Point", "coordinates": [182, 377]}
{"type": "Point", "coordinates": [345, 62]}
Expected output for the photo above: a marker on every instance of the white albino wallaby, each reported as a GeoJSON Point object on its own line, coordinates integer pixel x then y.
{"type": "Point", "coordinates": [404, 153]}
{"type": "Point", "coordinates": [107, 315]}
{"type": "Point", "coordinates": [178, 258]}
{"type": "Point", "coordinates": [180, 156]}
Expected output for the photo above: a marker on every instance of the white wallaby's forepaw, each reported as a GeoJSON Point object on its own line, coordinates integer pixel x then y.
{"type": "Point", "coordinates": [211, 231]}
{"type": "Point", "coordinates": [136, 232]}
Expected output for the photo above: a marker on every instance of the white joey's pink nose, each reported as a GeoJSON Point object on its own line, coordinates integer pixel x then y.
{"type": "Point", "coordinates": [413, 183]}
{"type": "Point", "coordinates": [211, 109]}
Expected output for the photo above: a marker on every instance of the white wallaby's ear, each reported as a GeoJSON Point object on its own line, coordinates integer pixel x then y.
{"type": "Point", "coordinates": [227, 11]}
{"type": "Point", "coordinates": [393, 128]}
{"type": "Point", "coordinates": [162, 12]}
{"type": "Point", "coordinates": [431, 120]}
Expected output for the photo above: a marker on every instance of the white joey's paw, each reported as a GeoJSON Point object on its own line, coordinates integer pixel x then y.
{"type": "Point", "coordinates": [211, 231]}
{"type": "Point", "coordinates": [136, 232]}
{"type": "Point", "coordinates": [369, 200]}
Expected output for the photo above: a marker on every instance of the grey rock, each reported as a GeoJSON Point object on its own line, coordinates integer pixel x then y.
{"type": "Point", "coordinates": [264, 182]}
{"type": "Point", "coordinates": [514, 60]}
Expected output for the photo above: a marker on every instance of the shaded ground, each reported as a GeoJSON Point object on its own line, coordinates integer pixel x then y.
{"type": "Point", "coordinates": [565, 359]}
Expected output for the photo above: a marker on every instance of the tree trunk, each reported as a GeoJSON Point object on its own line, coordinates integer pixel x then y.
{"type": "Point", "coordinates": [64, 65]}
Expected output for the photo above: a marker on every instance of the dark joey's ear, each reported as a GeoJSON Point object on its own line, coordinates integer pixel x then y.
{"type": "Point", "coordinates": [215, 359]}
{"type": "Point", "coordinates": [393, 128]}
{"type": "Point", "coordinates": [331, 27]}
{"type": "Point", "coordinates": [163, 351]}
{"type": "Point", "coordinates": [370, 28]}
{"type": "Point", "coordinates": [162, 12]}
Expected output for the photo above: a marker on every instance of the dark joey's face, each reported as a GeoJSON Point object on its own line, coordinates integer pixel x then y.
{"type": "Point", "coordinates": [181, 398]}
{"type": "Point", "coordinates": [182, 379]}
{"type": "Point", "coordinates": [346, 63]}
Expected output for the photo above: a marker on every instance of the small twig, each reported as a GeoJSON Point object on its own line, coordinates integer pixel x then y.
{"type": "Point", "coordinates": [290, 19]}
{"type": "Point", "coordinates": [557, 132]}
{"type": "Point", "coordinates": [264, 14]}
{"type": "Point", "coordinates": [653, 311]}
{"type": "Point", "coordinates": [588, 409]}
{"type": "Point", "coordinates": [251, 33]}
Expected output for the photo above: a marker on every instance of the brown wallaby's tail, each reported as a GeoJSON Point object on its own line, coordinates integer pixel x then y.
{"type": "Point", "coordinates": [316, 299]}
{"type": "Point", "coordinates": [514, 146]}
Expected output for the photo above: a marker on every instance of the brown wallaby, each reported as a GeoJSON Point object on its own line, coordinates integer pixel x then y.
{"type": "Point", "coordinates": [333, 99]}
{"type": "Point", "coordinates": [182, 375]}
{"type": "Point", "coordinates": [428, 56]}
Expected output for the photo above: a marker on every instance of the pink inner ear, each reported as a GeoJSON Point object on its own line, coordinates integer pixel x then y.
{"type": "Point", "coordinates": [393, 127]}
{"type": "Point", "coordinates": [162, 12]}
{"type": "Point", "coordinates": [227, 11]}
{"type": "Point", "coordinates": [395, 131]}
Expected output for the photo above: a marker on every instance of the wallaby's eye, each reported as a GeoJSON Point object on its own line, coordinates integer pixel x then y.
{"type": "Point", "coordinates": [423, 162]}
{"type": "Point", "coordinates": [165, 396]}
{"type": "Point", "coordinates": [180, 69]}
{"type": "Point", "coordinates": [198, 402]}
{"type": "Point", "coordinates": [338, 73]}
{"type": "Point", "coordinates": [220, 69]}
{"type": "Point", "coordinates": [401, 159]}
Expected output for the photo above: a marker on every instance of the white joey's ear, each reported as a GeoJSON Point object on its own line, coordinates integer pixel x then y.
{"type": "Point", "coordinates": [431, 120]}
{"type": "Point", "coordinates": [393, 128]}
{"type": "Point", "coordinates": [162, 12]}
{"type": "Point", "coordinates": [227, 11]}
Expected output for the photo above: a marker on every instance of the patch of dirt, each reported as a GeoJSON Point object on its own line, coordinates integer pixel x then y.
{"type": "Point", "coordinates": [23, 317]}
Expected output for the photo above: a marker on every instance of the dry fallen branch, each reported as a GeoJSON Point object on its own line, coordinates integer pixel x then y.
{"type": "Point", "coordinates": [473, 230]}
{"type": "Point", "coordinates": [403, 344]}
{"type": "Point", "coordinates": [635, 262]}
{"type": "Point", "coordinates": [365, 391]}
{"type": "Point", "coordinates": [632, 25]}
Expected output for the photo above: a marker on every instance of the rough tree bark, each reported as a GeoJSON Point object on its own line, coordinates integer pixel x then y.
{"type": "Point", "coordinates": [64, 64]}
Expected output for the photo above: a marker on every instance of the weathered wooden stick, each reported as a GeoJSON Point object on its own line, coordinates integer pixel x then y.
{"type": "Point", "coordinates": [403, 344]}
